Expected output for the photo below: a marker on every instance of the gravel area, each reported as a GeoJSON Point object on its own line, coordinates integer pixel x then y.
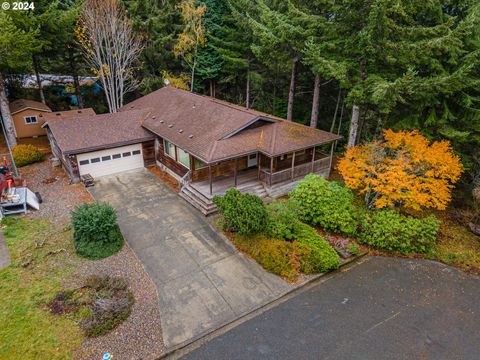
{"type": "Point", "coordinates": [53, 184]}
{"type": "Point", "coordinates": [140, 336]}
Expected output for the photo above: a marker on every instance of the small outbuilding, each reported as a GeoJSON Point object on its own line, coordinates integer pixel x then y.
{"type": "Point", "coordinates": [26, 117]}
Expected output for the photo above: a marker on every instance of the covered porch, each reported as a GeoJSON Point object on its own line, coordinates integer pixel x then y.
{"type": "Point", "coordinates": [259, 173]}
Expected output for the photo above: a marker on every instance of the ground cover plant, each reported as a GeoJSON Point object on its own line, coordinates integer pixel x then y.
{"type": "Point", "coordinates": [96, 234]}
{"type": "Point", "coordinates": [43, 258]}
{"type": "Point", "coordinates": [25, 154]}
{"type": "Point", "coordinates": [101, 305]}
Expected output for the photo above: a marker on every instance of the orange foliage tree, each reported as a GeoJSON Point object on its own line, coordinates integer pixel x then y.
{"type": "Point", "coordinates": [403, 170]}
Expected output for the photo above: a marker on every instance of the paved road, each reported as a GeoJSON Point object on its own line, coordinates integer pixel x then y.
{"type": "Point", "coordinates": [202, 281]}
{"type": "Point", "coordinates": [383, 308]}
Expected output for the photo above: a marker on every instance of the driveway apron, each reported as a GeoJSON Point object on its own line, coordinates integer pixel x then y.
{"type": "Point", "coordinates": [203, 282]}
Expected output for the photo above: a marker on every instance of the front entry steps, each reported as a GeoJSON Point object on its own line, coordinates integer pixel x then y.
{"type": "Point", "coordinates": [198, 200]}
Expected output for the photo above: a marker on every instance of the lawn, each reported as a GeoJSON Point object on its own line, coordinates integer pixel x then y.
{"type": "Point", "coordinates": [42, 260]}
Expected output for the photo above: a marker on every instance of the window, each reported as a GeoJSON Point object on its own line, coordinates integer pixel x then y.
{"type": "Point", "coordinates": [31, 120]}
{"type": "Point", "coordinates": [169, 149]}
{"type": "Point", "coordinates": [183, 157]}
{"type": "Point", "coordinates": [125, 154]}
{"type": "Point", "coordinates": [199, 164]}
{"type": "Point", "coordinates": [116, 156]}
{"type": "Point", "coordinates": [95, 160]}
{"type": "Point", "coordinates": [106, 158]}
{"type": "Point", "coordinates": [84, 162]}
{"type": "Point", "coordinates": [136, 152]}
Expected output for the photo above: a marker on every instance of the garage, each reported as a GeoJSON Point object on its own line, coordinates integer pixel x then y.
{"type": "Point", "coordinates": [101, 145]}
{"type": "Point", "coordinates": [111, 161]}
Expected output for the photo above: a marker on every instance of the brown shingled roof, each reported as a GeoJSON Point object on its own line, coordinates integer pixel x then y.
{"type": "Point", "coordinates": [89, 133]}
{"type": "Point", "coordinates": [23, 104]}
{"type": "Point", "coordinates": [68, 114]}
{"type": "Point", "coordinates": [214, 130]}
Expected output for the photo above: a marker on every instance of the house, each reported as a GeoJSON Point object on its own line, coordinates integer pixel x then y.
{"type": "Point", "coordinates": [25, 114]}
{"type": "Point", "coordinates": [30, 115]}
{"type": "Point", "coordinates": [209, 145]}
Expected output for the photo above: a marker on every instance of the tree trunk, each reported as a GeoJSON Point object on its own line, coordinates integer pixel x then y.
{"type": "Point", "coordinates": [247, 95]}
{"type": "Point", "coordinates": [39, 81]}
{"type": "Point", "coordinates": [6, 115]}
{"type": "Point", "coordinates": [353, 126]}
{"type": "Point", "coordinates": [332, 127]}
{"type": "Point", "coordinates": [76, 81]}
{"type": "Point", "coordinates": [212, 88]}
{"type": "Point", "coordinates": [291, 92]}
{"type": "Point", "coordinates": [315, 102]}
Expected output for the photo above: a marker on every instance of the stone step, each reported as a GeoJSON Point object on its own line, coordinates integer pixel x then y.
{"type": "Point", "coordinates": [204, 208]}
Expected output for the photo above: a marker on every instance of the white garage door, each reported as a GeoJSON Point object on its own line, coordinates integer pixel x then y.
{"type": "Point", "coordinates": [111, 161]}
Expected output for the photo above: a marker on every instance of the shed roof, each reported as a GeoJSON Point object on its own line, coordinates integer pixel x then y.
{"type": "Point", "coordinates": [68, 114]}
{"type": "Point", "coordinates": [214, 130]}
{"type": "Point", "coordinates": [89, 133]}
{"type": "Point", "coordinates": [23, 104]}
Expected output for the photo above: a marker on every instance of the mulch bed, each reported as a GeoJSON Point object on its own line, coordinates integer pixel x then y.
{"type": "Point", "coordinates": [167, 179]}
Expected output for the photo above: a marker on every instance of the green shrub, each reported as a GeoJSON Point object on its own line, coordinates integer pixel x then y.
{"type": "Point", "coordinates": [317, 254]}
{"type": "Point", "coordinates": [242, 213]}
{"type": "Point", "coordinates": [283, 222]}
{"type": "Point", "coordinates": [96, 234]}
{"type": "Point", "coordinates": [25, 154]}
{"type": "Point", "coordinates": [392, 231]}
{"type": "Point", "coordinates": [326, 203]}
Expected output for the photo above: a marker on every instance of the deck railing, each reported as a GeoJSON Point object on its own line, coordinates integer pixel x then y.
{"type": "Point", "coordinates": [297, 172]}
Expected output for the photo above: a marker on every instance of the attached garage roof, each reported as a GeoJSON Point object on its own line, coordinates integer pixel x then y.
{"type": "Point", "coordinates": [213, 130]}
{"type": "Point", "coordinates": [89, 133]}
{"type": "Point", "coordinates": [24, 104]}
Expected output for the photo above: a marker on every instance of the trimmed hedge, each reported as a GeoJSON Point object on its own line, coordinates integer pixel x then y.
{"type": "Point", "coordinates": [25, 154]}
{"type": "Point", "coordinates": [242, 213]}
{"type": "Point", "coordinates": [318, 255]}
{"type": "Point", "coordinates": [391, 231]}
{"type": "Point", "coordinates": [326, 203]}
{"type": "Point", "coordinates": [96, 234]}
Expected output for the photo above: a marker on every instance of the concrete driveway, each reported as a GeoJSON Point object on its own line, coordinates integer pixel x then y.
{"type": "Point", "coordinates": [202, 281]}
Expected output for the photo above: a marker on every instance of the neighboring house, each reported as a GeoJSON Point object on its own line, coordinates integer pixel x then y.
{"type": "Point", "coordinates": [25, 114]}
{"type": "Point", "coordinates": [207, 144]}
{"type": "Point", "coordinates": [30, 115]}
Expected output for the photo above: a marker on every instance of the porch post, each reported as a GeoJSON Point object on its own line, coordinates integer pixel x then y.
{"type": "Point", "coordinates": [235, 172]}
{"type": "Point", "coordinates": [313, 158]}
{"type": "Point", "coordinates": [293, 163]}
{"type": "Point", "coordinates": [210, 177]}
{"type": "Point", "coordinates": [259, 165]}
{"type": "Point", "coordinates": [271, 171]}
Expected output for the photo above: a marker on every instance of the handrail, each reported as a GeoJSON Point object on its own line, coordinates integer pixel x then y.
{"type": "Point", "coordinates": [186, 179]}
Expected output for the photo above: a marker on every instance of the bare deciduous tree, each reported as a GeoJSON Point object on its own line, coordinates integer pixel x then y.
{"type": "Point", "coordinates": [110, 48]}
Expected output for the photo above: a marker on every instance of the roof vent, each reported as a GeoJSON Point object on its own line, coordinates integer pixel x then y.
{"type": "Point", "coordinates": [180, 131]}
{"type": "Point", "coordinates": [79, 111]}
{"type": "Point", "coordinates": [161, 121]}
{"type": "Point", "coordinates": [153, 117]}
{"type": "Point", "coordinates": [58, 114]}
{"type": "Point", "coordinates": [131, 106]}
{"type": "Point", "coordinates": [170, 126]}
{"type": "Point", "coordinates": [190, 136]}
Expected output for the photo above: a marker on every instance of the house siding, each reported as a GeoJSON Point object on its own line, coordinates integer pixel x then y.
{"type": "Point", "coordinates": [23, 130]}
{"type": "Point", "coordinates": [148, 151]}
{"type": "Point", "coordinates": [167, 161]}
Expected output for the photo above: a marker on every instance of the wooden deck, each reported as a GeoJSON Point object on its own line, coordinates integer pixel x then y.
{"type": "Point", "coordinates": [246, 179]}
